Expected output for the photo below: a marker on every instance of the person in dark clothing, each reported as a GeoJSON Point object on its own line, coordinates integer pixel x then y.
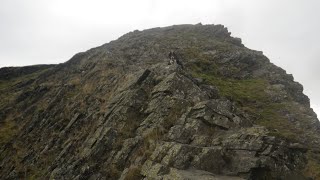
{"type": "Point", "coordinates": [172, 57]}
{"type": "Point", "coordinates": [179, 62]}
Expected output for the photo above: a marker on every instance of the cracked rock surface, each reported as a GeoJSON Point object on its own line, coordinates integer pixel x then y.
{"type": "Point", "coordinates": [120, 111]}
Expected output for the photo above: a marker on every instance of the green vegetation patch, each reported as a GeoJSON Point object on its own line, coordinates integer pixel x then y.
{"type": "Point", "coordinates": [7, 95]}
{"type": "Point", "coordinates": [273, 118]}
{"type": "Point", "coordinates": [5, 84]}
{"type": "Point", "coordinates": [7, 130]}
{"type": "Point", "coordinates": [312, 168]}
{"type": "Point", "coordinates": [243, 91]}
{"type": "Point", "coordinates": [250, 95]}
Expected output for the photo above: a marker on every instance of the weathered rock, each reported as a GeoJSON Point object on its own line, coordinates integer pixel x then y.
{"type": "Point", "coordinates": [121, 111]}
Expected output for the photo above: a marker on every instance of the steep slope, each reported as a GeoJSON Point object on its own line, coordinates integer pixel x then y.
{"type": "Point", "coordinates": [121, 111]}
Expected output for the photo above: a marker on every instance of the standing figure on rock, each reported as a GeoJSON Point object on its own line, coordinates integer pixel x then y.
{"type": "Point", "coordinates": [172, 57]}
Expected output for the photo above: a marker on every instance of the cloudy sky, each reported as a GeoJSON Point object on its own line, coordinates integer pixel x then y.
{"type": "Point", "coordinates": [51, 31]}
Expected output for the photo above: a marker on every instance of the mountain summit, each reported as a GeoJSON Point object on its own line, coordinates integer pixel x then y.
{"type": "Point", "coordinates": [179, 102]}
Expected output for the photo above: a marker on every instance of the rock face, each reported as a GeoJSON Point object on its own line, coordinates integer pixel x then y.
{"type": "Point", "coordinates": [120, 111]}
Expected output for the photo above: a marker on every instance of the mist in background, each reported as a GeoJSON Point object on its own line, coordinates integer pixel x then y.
{"type": "Point", "coordinates": [52, 31]}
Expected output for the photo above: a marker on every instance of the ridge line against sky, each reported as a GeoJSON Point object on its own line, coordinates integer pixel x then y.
{"type": "Point", "coordinates": [52, 31]}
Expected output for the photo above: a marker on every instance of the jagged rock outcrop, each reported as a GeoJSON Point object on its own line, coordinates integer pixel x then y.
{"type": "Point", "coordinates": [120, 111]}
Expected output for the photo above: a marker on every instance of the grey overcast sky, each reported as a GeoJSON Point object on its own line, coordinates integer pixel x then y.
{"type": "Point", "coordinates": [51, 31]}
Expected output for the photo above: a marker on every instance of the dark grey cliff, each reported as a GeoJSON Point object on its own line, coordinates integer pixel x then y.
{"type": "Point", "coordinates": [122, 111]}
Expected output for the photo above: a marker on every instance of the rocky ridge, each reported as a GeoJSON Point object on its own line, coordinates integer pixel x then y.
{"type": "Point", "coordinates": [120, 111]}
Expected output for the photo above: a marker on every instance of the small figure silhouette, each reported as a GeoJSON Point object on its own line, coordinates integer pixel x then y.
{"type": "Point", "coordinates": [172, 57]}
